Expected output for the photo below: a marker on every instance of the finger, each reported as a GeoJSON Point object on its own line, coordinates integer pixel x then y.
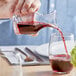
{"type": "Point", "coordinates": [34, 35]}
{"type": "Point", "coordinates": [33, 9]}
{"type": "Point", "coordinates": [34, 6]}
{"type": "Point", "coordinates": [19, 7]}
{"type": "Point", "coordinates": [26, 5]}
{"type": "Point", "coordinates": [28, 17]}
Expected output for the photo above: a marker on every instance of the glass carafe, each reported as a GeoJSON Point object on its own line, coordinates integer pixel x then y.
{"type": "Point", "coordinates": [33, 24]}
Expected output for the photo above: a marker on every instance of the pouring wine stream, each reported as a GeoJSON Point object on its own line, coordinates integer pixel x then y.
{"type": "Point", "coordinates": [33, 27]}
{"type": "Point", "coordinates": [27, 28]}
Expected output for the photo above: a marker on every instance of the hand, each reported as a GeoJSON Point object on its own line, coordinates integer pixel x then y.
{"type": "Point", "coordinates": [19, 7]}
{"type": "Point", "coordinates": [30, 6]}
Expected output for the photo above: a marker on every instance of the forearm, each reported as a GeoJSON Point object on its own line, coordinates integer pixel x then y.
{"type": "Point", "coordinates": [4, 10]}
{"type": "Point", "coordinates": [2, 2]}
{"type": "Point", "coordinates": [2, 13]}
{"type": "Point", "coordinates": [18, 7]}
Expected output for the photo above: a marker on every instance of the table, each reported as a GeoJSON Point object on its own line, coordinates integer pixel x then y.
{"type": "Point", "coordinates": [41, 70]}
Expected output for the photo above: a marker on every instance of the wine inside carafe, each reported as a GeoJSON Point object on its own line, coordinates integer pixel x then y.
{"type": "Point", "coordinates": [32, 27]}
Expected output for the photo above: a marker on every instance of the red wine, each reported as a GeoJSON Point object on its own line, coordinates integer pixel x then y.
{"type": "Point", "coordinates": [60, 63]}
{"type": "Point", "coordinates": [33, 27]}
{"type": "Point", "coordinates": [62, 36]}
{"type": "Point", "coordinates": [30, 27]}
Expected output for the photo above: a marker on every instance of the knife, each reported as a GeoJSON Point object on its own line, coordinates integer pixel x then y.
{"type": "Point", "coordinates": [29, 51]}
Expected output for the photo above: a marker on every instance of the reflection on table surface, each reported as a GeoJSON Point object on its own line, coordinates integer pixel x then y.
{"type": "Point", "coordinates": [40, 70]}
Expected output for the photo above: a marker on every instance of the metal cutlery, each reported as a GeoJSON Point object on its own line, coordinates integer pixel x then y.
{"type": "Point", "coordinates": [27, 58]}
{"type": "Point", "coordinates": [29, 51]}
